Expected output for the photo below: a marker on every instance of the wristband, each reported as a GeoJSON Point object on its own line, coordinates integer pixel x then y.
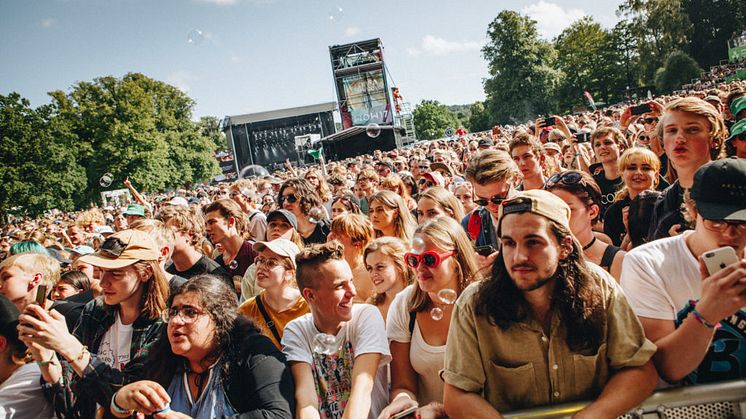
{"type": "Point", "coordinates": [702, 320]}
{"type": "Point", "coordinates": [51, 361]}
{"type": "Point", "coordinates": [164, 410]}
{"type": "Point", "coordinates": [117, 409]}
{"type": "Point", "coordinates": [80, 356]}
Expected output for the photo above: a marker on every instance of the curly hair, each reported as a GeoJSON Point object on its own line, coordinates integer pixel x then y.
{"type": "Point", "coordinates": [305, 193]}
{"type": "Point", "coordinates": [577, 297]}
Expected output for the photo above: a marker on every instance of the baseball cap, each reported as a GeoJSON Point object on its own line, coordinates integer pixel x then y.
{"type": "Point", "coordinates": [737, 129]}
{"type": "Point", "coordinates": [135, 209]}
{"type": "Point", "coordinates": [719, 189]}
{"type": "Point", "coordinates": [282, 247]}
{"type": "Point", "coordinates": [537, 201]}
{"type": "Point", "coordinates": [387, 164]}
{"type": "Point", "coordinates": [738, 105]}
{"type": "Point", "coordinates": [123, 249]}
{"type": "Point", "coordinates": [178, 200]}
{"type": "Point", "coordinates": [436, 178]}
{"type": "Point", "coordinates": [443, 166]}
{"type": "Point", "coordinates": [8, 316]}
{"type": "Point", "coordinates": [287, 215]}
{"type": "Point", "coordinates": [486, 142]}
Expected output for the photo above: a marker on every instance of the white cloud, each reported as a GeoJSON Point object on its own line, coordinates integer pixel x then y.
{"type": "Point", "coordinates": [351, 31]}
{"type": "Point", "coordinates": [48, 22]}
{"type": "Point", "coordinates": [438, 46]}
{"type": "Point", "coordinates": [551, 18]}
{"type": "Point", "coordinates": [180, 79]}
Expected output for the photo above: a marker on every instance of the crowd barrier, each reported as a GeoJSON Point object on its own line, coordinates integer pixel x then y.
{"type": "Point", "coordinates": [724, 400]}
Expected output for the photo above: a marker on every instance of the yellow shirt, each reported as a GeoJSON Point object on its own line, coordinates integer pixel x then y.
{"type": "Point", "coordinates": [250, 309]}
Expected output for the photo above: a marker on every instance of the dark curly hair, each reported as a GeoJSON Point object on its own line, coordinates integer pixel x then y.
{"type": "Point", "coordinates": [304, 191]}
{"type": "Point", "coordinates": [577, 297]}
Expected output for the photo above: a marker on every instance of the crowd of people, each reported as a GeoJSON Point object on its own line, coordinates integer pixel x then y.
{"type": "Point", "coordinates": [592, 257]}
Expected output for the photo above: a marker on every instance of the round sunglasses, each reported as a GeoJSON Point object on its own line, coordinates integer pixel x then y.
{"type": "Point", "coordinates": [431, 258]}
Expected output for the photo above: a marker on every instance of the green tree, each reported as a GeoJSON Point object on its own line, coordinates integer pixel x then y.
{"type": "Point", "coordinates": [714, 21]}
{"type": "Point", "coordinates": [479, 120]}
{"type": "Point", "coordinates": [209, 127]}
{"type": "Point", "coordinates": [661, 27]}
{"type": "Point", "coordinates": [523, 79]}
{"type": "Point", "coordinates": [137, 127]}
{"type": "Point", "coordinates": [431, 118]}
{"type": "Point", "coordinates": [679, 68]}
{"type": "Point", "coordinates": [38, 151]}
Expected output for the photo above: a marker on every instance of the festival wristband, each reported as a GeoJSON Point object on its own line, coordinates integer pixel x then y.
{"type": "Point", "coordinates": [117, 409]}
{"type": "Point", "coordinates": [702, 320]}
{"type": "Point", "coordinates": [164, 410]}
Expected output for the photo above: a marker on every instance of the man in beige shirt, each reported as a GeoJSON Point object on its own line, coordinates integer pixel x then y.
{"type": "Point", "coordinates": [546, 328]}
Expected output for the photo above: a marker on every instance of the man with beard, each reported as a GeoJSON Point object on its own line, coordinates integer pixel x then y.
{"type": "Point", "coordinates": [546, 328]}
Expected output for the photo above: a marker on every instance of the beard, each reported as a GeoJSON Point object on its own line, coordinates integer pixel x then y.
{"type": "Point", "coordinates": [542, 281]}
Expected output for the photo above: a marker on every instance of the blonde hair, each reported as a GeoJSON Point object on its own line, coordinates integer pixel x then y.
{"type": "Point", "coordinates": [32, 263]}
{"type": "Point", "coordinates": [323, 189]}
{"type": "Point", "coordinates": [161, 235]}
{"type": "Point", "coordinates": [489, 166]}
{"type": "Point", "coordinates": [404, 223]}
{"type": "Point", "coordinates": [448, 235]}
{"type": "Point", "coordinates": [156, 288]}
{"type": "Point", "coordinates": [647, 156]}
{"type": "Point", "coordinates": [445, 199]}
{"type": "Point", "coordinates": [186, 221]}
{"type": "Point", "coordinates": [91, 216]}
{"type": "Point", "coordinates": [395, 181]}
{"type": "Point", "coordinates": [699, 107]}
{"type": "Point", "coordinates": [394, 249]}
{"type": "Point", "coordinates": [355, 226]}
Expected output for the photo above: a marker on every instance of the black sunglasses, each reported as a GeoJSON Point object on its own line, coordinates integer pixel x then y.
{"type": "Point", "coordinates": [113, 247]}
{"type": "Point", "coordinates": [290, 198]}
{"type": "Point", "coordinates": [570, 178]}
{"type": "Point", "coordinates": [496, 199]}
{"type": "Point", "coordinates": [650, 120]}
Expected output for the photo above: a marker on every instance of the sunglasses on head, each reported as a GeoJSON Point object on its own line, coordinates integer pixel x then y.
{"type": "Point", "coordinates": [431, 258]}
{"type": "Point", "coordinates": [570, 178]}
{"type": "Point", "coordinates": [496, 199]}
{"type": "Point", "coordinates": [290, 198]}
{"type": "Point", "coordinates": [113, 247]}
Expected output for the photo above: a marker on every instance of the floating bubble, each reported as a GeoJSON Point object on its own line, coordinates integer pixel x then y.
{"type": "Point", "coordinates": [253, 170]}
{"type": "Point", "coordinates": [436, 313]}
{"type": "Point", "coordinates": [373, 130]}
{"type": "Point", "coordinates": [325, 344]}
{"type": "Point", "coordinates": [335, 14]}
{"type": "Point", "coordinates": [106, 180]}
{"type": "Point", "coordinates": [418, 244]}
{"type": "Point", "coordinates": [447, 296]}
{"type": "Point", "coordinates": [195, 37]}
{"type": "Point", "coordinates": [233, 264]}
{"type": "Point", "coordinates": [449, 132]}
{"type": "Point", "coordinates": [315, 215]}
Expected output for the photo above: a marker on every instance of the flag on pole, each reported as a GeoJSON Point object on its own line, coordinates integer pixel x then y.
{"type": "Point", "coordinates": [315, 153]}
{"type": "Point", "coordinates": [588, 96]}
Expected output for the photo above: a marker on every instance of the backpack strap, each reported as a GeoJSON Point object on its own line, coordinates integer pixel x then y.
{"type": "Point", "coordinates": [267, 319]}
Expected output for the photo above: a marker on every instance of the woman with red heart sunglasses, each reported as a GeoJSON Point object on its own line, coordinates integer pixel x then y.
{"type": "Point", "coordinates": [419, 316]}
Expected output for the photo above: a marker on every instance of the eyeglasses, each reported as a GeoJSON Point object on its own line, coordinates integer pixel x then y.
{"type": "Point", "coordinates": [424, 167]}
{"type": "Point", "coordinates": [431, 258]}
{"type": "Point", "coordinates": [650, 120]}
{"type": "Point", "coordinates": [723, 225]}
{"type": "Point", "coordinates": [290, 198]}
{"type": "Point", "coordinates": [113, 247]}
{"type": "Point", "coordinates": [495, 199]}
{"type": "Point", "coordinates": [426, 182]}
{"type": "Point", "coordinates": [569, 178]}
{"type": "Point", "coordinates": [270, 263]}
{"type": "Point", "coordinates": [188, 314]}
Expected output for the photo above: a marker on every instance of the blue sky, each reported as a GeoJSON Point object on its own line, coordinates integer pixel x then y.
{"type": "Point", "coordinates": [259, 55]}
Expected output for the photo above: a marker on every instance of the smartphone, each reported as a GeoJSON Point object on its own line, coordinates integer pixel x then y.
{"type": "Point", "coordinates": [718, 259]}
{"type": "Point", "coordinates": [41, 295]}
{"type": "Point", "coordinates": [485, 250]}
{"type": "Point", "coordinates": [641, 109]}
{"type": "Point", "coordinates": [549, 122]}
{"type": "Point", "coordinates": [582, 137]}
{"type": "Point", "coordinates": [405, 414]}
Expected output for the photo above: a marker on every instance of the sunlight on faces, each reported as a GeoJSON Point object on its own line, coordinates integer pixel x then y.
{"type": "Point", "coordinates": [15, 285]}
{"type": "Point", "coordinates": [606, 149]}
{"type": "Point", "coordinates": [380, 215]}
{"type": "Point", "coordinates": [293, 207]}
{"type": "Point", "coordinates": [528, 163]}
{"type": "Point", "coordinates": [118, 285]}
{"type": "Point", "coordinates": [686, 139]}
{"type": "Point", "coordinates": [499, 188]}
{"type": "Point", "coordinates": [338, 208]}
{"type": "Point", "coordinates": [217, 227]}
{"type": "Point", "coordinates": [279, 228]}
{"type": "Point", "coordinates": [639, 175]}
{"type": "Point", "coordinates": [382, 271]}
{"type": "Point", "coordinates": [427, 209]}
{"type": "Point", "coordinates": [331, 300]}
{"type": "Point", "coordinates": [432, 280]}
{"type": "Point", "coordinates": [63, 290]}
{"type": "Point", "coordinates": [191, 340]}
{"type": "Point", "coordinates": [580, 216]}
{"type": "Point", "coordinates": [270, 269]}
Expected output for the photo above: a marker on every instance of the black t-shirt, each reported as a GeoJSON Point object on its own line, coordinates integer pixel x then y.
{"type": "Point", "coordinates": [609, 188]}
{"type": "Point", "coordinates": [667, 212]}
{"type": "Point", "coordinates": [319, 233]}
{"type": "Point", "coordinates": [204, 265]}
{"type": "Point", "coordinates": [613, 223]}
{"type": "Point", "coordinates": [664, 164]}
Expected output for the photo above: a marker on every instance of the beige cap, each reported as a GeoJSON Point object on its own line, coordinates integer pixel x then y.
{"type": "Point", "coordinates": [123, 249]}
{"type": "Point", "coordinates": [282, 247]}
{"type": "Point", "coordinates": [537, 201]}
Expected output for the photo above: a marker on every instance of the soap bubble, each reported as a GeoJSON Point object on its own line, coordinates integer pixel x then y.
{"type": "Point", "coordinates": [106, 180]}
{"type": "Point", "coordinates": [447, 296]}
{"type": "Point", "coordinates": [195, 37]}
{"type": "Point", "coordinates": [436, 313]}
{"type": "Point", "coordinates": [335, 14]}
{"type": "Point", "coordinates": [373, 130]}
{"type": "Point", "coordinates": [449, 132]}
{"type": "Point", "coordinates": [233, 264]}
{"type": "Point", "coordinates": [325, 344]}
{"type": "Point", "coordinates": [315, 215]}
{"type": "Point", "coordinates": [418, 244]}
{"type": "Point", "coordinates": [253, 170]}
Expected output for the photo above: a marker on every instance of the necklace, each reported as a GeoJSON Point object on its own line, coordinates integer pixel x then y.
{"type": "Point", "coordinates": [589, 244]}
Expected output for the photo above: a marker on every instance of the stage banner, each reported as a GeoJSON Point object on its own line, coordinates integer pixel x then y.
{"type": "Point", "coordinates": [366, 98]}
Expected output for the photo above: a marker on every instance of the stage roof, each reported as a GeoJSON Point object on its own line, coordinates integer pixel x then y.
{"type": "Point", "coordinates": [282, 113]}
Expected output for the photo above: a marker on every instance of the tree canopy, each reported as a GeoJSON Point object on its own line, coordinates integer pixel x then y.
{"type": "Point", "coordinates": [431, 118]}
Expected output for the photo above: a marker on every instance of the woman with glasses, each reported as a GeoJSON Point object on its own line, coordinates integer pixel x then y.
{"type": "Point", "coordinates": [299, 197]}
{"type": "Point", "coordinates": [280, 301]}
{"type": "Point", "coordinates": [583, 196]}
{"type": "Point", "coordinates": [388, 271]}
{"type": "Point", "coordinates": [390, 216]}
{"type": "Point", "coordinates": [211, 362]}
{"type": "Point", "coordinates": [438, 201]}
{"type": "Point", "coordinates": [419, 317]}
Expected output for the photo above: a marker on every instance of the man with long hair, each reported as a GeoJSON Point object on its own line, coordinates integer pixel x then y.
{"type": "Point", "coordinates": [546, 328]}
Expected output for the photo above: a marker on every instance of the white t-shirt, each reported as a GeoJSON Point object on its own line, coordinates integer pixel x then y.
{"type": "Point", "coordinates": [364, 333]}
{"type": "Point", "coordinates": [114, 350]}
{"type": "Point", "coordinates": [21, 395]}
{"type": "Point", "coordinates": [659, 278]}
{"type": "Point", "coordinates": [427, 360]}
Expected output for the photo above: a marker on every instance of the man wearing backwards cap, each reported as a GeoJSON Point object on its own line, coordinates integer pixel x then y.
{"type": "Point", "coordinates": [115, 333]}
{"type": "Point", "coordinates": [696, 318]}
{"type": "Point", "coordinates": [546, 328]}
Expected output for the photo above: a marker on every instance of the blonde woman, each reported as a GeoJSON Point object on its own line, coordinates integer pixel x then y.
{"type": "Point", "coordinates": [389, 273]}
{"type": "Point", "coordinates": [390, 216]}
{"type": "Point", "coordinates": [395, 184]}
{"type": "Point", "coordinates": [418, 319]}
{"type": "Point", "coordinates": [437, 201]}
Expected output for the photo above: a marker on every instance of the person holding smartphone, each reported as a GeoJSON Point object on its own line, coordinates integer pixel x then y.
{"type": "Point", "coordinates": [693, 315]}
